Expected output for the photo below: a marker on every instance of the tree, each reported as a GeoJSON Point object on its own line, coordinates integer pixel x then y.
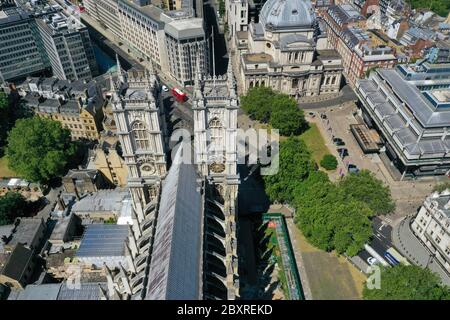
{"type": "Point", "coordinates": [366, 188]}
{"type": "Point", "coordinates": [257, 103]}
{"type": "Point", "coordinates": [441, 7]}
{"type": "Point", "coordinates": [327, 220]}
{"type": "Point", "coordinates": [408, 283]}
{"type": "Point", "coordinates": [294, 166]}
{"type": "Point", "coordinates": [278, 109]}
{"type": "Point", "coordinates": [10, 110]}
{"type": "Point", "coordinates": [222, 8]}
{"type": "Point", "coordinates": [39, 149]}
{"type": "Point", "coordinates": [4, 118]}
{"type": "Point", "coordinates": [12, 205]}
{"type": "Point", "coordinates": [329, 162]}
{"type": "Point", "coordinates": [286, 116]}
{"type": "Point", "coordinates": [441, 187]}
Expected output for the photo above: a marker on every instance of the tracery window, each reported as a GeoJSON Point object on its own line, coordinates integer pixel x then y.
{"type": "Point", "coordinates": [141, 136]}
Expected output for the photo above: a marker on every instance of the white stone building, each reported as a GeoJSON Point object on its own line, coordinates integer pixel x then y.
{"type": "Point", "coordinates": [281, 52]}
{"type": "Point", "coordinates": [237, 16]}
{"type": "Point", "coordinates": [106, 12]}
{"type": "Point", "coordinates": [432, 226]}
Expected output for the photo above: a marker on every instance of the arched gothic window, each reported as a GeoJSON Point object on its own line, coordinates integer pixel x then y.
{"type": "Point", "coordinates": [141, 136]}
{"type": "Point", "coordinates": [217, 136]}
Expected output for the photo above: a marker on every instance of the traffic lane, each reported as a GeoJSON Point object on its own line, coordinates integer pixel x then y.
{"type": "Point", "coordinates": [381, 238]}
{"type": "Point", "coordinates": [382, 227]}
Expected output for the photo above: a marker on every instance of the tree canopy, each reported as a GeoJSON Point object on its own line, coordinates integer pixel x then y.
{"type": "Point", "coordinates": [295, 165]}
{"type": "Point", "coordinates": [332, 216]}
{"type": "Point", "coordinates": [10, 111]}
{"type": "Point", "coordinates": [4, 118]}
{"type": "Point", "coordinates": [363, 186]}
{"type": "Point", "coordinates": [441, 186]}
{"type": "Point", "coordinates": [39, 149]}
{"type": "Point", "coordinates": [12, 205]}
{"type": "Point", "coordinates": [329, 162]}
{"type": "Point", "coordinates": [441, 7]}
{"type": "Point", "coordinates": [408, 283]}
{"type": "Point", "coordinates": [277, 109]}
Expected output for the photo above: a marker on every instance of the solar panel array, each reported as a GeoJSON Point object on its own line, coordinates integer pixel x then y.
{"type": "Point", "coordinates": [100, 240]}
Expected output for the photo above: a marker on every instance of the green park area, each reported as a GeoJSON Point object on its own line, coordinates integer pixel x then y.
{"type": "Point", "coordinates": [330, 277]}
{"type": "Point", "coordinates": [315, 143]}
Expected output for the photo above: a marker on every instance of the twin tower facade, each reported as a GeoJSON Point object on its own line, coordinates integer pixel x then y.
{"type": "Point", "coordinates": [140, 120]}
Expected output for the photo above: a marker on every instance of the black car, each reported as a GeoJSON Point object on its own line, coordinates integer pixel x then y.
{"type": "Point", "coordinates": [338, 142]}
{"type": "Point", "coordinates": [323, 116]}
{"type": "Point", "coordinates": [343, 152]}
{"type": "Point", "coordinates": [352, 168]}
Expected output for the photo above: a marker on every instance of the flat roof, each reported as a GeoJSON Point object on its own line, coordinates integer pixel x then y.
{"type": "Point", "coordinates": [101, 240]}
{"type": "Point", "coordinates": [102, 200]}
{"type": "Point", "coordinates": [186, 28]}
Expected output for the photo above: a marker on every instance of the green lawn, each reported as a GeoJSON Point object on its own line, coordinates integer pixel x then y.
{"type": "Point", "coordinates": [315, 142]}
{"type": "Point", "coordinates": [330, 277]}
{"type": "Point", "coordinates": [5, 172]}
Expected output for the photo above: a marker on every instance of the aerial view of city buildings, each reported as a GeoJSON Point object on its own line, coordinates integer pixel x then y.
{"type": "Point", "coordinates": [224, 150]}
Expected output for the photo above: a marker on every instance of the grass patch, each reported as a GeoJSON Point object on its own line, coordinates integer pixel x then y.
{"type": "Point", "coordinates": [5, 172]}
{"type": "Point", "coordinates": [330, 277]}
{"type": "Point", "coordinates": [315, 143]}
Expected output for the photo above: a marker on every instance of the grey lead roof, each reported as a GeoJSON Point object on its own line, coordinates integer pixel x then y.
{"type": "Point", "coordinates": [422, 109]}
{"type": "Point", "coordinates": [175, 271]}
{"type": "Point", "coordinates": [287, 14]}
{"type": "Point", "coordinates": [103, 240]}
{"type": "Point", "coordinates": [59, 291]}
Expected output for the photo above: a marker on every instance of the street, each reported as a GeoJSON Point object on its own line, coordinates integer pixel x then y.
{"type": "Point", "coordinates": [220, 47]}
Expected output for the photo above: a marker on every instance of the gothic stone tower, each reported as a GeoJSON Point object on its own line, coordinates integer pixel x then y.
{"type": "Point", "coordinates": [140, 126]}
{"type": "Point", "coordinates": [215, 106]}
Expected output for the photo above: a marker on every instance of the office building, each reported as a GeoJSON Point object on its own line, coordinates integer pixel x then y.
{"type": "Point", "coordinates": [22, 52]}
{"type": "Point", "coordinates": [68, 46]}
{"type": "Point", "coordinates": [186, 45]}
{"type": "Point", "coordinates": [408, 105]}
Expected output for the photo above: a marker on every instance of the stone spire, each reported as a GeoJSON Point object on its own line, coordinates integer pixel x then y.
{"type": "Point", "coordinates": [230, 80]}
{"type": "Point", "coordinates": [119, 69]}
{"type": "Point", "coordinates": [113, 88]}
{"type": "Point", "coordinates": [197, 85]}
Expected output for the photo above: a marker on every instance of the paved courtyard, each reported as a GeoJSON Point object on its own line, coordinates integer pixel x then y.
{"type": "Point", "coordinates": [408, 195]}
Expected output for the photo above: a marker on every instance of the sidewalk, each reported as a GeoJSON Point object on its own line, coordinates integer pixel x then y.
{"type": "Point", "coordinates": [407, 243]}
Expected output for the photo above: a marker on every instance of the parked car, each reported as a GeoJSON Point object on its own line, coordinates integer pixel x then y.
{"type": "Point", "coordinates": [352, 168]}
{"type": "Point", "coordinates": [339, 142]}
{"type": "Point", "coordinates": [343, 152]}
{"type": "Point", "coordinates": [323, 116]}
{"type": "Point", "coordinates": [164, 88]}
{"type": "Point", "coordinates": [371, 261]}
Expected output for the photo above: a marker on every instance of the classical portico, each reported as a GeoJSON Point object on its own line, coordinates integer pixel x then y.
{"type": "Point", "coordinates": [282, 53]}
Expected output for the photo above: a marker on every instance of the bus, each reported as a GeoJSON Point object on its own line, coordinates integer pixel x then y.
{"type": "Point", "coordinates": [179, 95]}
{"type": "Point", "coordinates": [395, 257]}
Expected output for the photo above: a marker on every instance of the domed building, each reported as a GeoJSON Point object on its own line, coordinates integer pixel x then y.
{"type": "Point", "coordinates": [281, 51]}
